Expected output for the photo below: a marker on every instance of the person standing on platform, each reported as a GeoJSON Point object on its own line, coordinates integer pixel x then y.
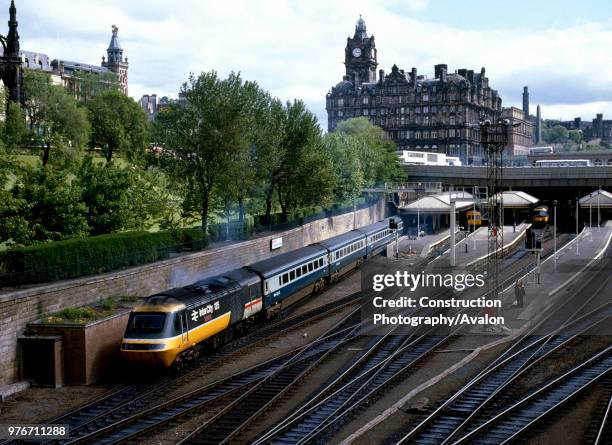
{"type": "Point", "coordinates": [519, 293]}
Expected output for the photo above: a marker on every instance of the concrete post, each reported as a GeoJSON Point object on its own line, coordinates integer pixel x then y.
{"type": "Point", "coordinates": [452, 233]}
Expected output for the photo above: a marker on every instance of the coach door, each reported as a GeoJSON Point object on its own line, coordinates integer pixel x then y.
{"type": "Point", "coordinates": [184, 329]}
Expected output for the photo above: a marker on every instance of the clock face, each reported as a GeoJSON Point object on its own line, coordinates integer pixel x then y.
{"type": "Point", "coordinates": [356, 52]}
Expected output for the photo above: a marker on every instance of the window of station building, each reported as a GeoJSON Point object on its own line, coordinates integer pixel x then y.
{"type": "Point", "coordinates": [365, 111]}
{"type": "Point", "coordinates": [365, 100]}
{"type": "Point", "coordinates": [340, 113]}
{"type": "Point", "coordinates": [434, 134]}
{"type": "Point", "coordinates": [340, 102]}
{"type": "Point", "coordinates": [425, 97]}
{"type": "Point", "coordinates": [417, 135]}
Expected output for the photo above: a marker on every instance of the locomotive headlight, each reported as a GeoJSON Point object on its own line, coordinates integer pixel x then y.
{"type": "Point", "coordinates": [142, 346]}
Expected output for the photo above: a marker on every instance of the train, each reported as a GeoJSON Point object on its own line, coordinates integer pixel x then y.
{"type": "Point", "coordinates": [563, 163]}
{"type": "Point", "coordinates": [540, 216]}
{"type": "Point", "coordinates": [541, 150]}
{"type": "Point", "coordinates": [173, 327]}
{"type": "Point", "coordinates": [408, 157]}
{"type": "Point", "coordinates": [474, 219]}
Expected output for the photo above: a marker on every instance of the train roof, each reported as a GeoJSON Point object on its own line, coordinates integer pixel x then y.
{"type": "Point", "coordinates": [376, 227]}
{"type": "Point", "coordinates": [207, 289]}
{"type": "Point", "coordinates": [341, 240]}
{"type": "Point", "coordinates": [283, 261]}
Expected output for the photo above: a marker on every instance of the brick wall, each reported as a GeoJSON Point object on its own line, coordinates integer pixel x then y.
{"type": "Point", "coordinates": [24, 306]}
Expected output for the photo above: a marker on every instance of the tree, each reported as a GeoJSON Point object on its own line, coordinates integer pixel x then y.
{"type": "Point", "coordinates": [54, 210]}
{"type": "Point", "coordinates": [85, 86]}
{"type": "Point", "coordinates": [14, 127]}
{"type": "Point", "coordinates": [202, 137]}
{"type": "Point", "coordinates": [57, 122]}
{"type": "Point", "coordinates": [305, 175]}
{"type": "Point", "coordinates": [268, 149]}
{"type": "Point", "coordinates": [556, 135]}
{"type": "Point", "coordinates": [345, 151]}
{"type": "Point", "coordinates": [13, 209]}
{"type": "Point", "coordinates": [118, 123]}
{"type": "Point", "coordinates": [376, 152]}
{"type": "Point", "coordinates": [105, 192]}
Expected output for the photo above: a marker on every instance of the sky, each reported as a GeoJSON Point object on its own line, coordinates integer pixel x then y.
{"type": "Point", "coordinates": [561, 49]}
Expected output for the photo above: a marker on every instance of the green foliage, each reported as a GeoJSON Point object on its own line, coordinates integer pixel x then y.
{"type": "Point", "coordinates": [86, 86]}
{"type": "Point", "coordinates": [305, 176]}
{"type": "Point", "coordinates": [45, 206]}
{"type": "Point", "coordinates": [105, 193]}
{"type": "Point", "coordinates": [204, 138]}
{"type": "Point", "coordinates": [15, 128]}
{"type": "Point", "coordinates": [82, 256]}
{"type": "Point", "coordinates": [75, 313]}
{"type": "Point", "coordinates": [556, 134]}
{"type": "Point", "coordinates": [118, 123]}
{"type": "Point", "coordinates": [57, 123]}
{"type": "Point", "coordinates": [376, 152]}
{"type": "Point", "coordinates": [108, 304]}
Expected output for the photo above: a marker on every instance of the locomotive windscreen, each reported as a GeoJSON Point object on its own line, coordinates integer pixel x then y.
{"type": "Point", "coordinates": [145, 323]}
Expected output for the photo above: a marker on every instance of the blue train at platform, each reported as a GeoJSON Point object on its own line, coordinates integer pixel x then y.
{"type": "Point", "coordinates": [173, 326]}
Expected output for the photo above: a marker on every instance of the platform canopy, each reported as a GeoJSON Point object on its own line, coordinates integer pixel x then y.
{"type": "Point", "coordinates": [518, 200]}
{"type": "Point", "coordinates": [598, 197]}
{"type": "Point", "coordinates": [439, 203]}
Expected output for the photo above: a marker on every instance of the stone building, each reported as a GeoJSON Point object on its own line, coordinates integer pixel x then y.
{"type": "Point", "coordinates": [440, 114]}
{"type": "Point", "coordinates": [152, 104]}
{"type": "Point", "coordinates": [598, 128]}
{"type": "Point", "coordinates": [521, 136]}
{"type": "Point", "coordinates": [114, 67]}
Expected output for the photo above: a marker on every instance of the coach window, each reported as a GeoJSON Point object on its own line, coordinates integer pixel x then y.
{"type": "Point", "coordinates": [310, 267]}
{"type": "Point", "coordinates": [292, 275]}
{"type": "Point", "coordinates": [285, 278]}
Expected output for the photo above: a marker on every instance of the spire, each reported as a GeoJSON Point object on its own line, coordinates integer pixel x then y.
{"type": "Point", "coordinates": [360, 28]}
{"type": "Point", "coordinates": [12, 39]}
{"type": "Point", "coordinates": [114, 51]}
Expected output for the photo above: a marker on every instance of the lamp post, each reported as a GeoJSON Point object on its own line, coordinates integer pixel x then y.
{"type": "Point", "coordinates": [555, 231]}
{"type": "Point", "coordinates": [590, 210]}
{"type": "Point", "coordinates": [598, 210]}
{"type": "Point", "coordinates": [577, 224]}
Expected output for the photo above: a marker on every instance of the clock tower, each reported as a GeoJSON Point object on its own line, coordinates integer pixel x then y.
{"type": "Point", "coordinates": [360, 56]}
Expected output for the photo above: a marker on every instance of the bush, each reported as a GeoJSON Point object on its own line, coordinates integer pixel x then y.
{"type": "Point", "coordinates": [82, 256]}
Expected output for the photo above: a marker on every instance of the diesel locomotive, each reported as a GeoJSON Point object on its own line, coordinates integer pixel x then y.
{"type": "Point", "coordinates": [174, 325]}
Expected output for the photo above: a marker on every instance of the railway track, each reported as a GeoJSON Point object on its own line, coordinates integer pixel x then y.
{"type": "Point", "coordinates": [463, 409]}
{"type": "Point", "coordinates": [515, 420]}
{"type": "Point", "coordinates": [217, 393]}
{"type": "Point", "coordinates": [377, 374]}
{"type": "Point", "coordinates": [123, 400]}
{"type": "Point", "coordinates": [335, 403]}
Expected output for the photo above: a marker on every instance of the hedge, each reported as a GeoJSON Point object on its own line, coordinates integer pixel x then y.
{"type": "Point", "coordinates": [76, 257]}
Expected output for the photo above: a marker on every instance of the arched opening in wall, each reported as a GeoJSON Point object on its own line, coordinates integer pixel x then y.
{"type": "Point", "coordinates": [598, 162]}
{"type": "Point", "coordinates": [609, 162]}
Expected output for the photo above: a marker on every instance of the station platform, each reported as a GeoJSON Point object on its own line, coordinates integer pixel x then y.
{"type": "Point", "coordinates": [557, 273]}
{"type": "Point", "coordinates": [474, 248]}
{"type": "Point", "coordinates": [423, 245]}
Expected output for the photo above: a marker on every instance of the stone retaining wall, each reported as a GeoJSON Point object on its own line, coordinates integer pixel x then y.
{"type": "Point", "coordinates": [25, 306]}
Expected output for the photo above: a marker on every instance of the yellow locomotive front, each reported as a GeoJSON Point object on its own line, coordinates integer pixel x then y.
{"type": "Point", "coordinates": [540, 215]}
{"type": "Point", "coordinates": [155, 334]}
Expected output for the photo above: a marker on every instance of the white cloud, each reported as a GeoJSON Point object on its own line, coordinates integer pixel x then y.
{"type": "Point", "coordinates": [296, 48]}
